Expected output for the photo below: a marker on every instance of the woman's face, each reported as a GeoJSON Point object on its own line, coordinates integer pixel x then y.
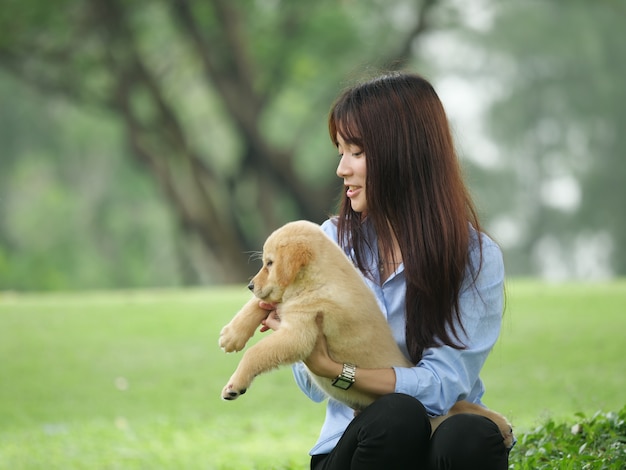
{"type": "Point", "coordinates": [352, 170]}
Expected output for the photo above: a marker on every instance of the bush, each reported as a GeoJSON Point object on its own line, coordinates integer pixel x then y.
{"type": "Point", "coordinates": [594, 443]}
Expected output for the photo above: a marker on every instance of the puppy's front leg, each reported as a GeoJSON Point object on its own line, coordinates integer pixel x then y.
{"type": "Point", "coordinates": [282, 347]}
{"type": "Point", "coordinates": [241, 328]}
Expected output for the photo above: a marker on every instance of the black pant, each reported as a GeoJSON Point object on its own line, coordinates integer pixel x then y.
{"type": "Point", "coordinates": [394, 433]}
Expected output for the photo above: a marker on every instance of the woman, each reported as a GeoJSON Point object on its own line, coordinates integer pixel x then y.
{"type": "Point", "coordinates": [408, 222]}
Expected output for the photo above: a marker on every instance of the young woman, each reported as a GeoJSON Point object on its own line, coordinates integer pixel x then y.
{"type": "Point", "coordinates": [408, 223]}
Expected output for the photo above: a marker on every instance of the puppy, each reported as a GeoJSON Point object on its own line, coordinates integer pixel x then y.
{"type": "Point", "coordinates": [308, 276]}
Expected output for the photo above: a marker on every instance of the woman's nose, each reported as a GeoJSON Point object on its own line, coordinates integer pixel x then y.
{"type": "Point", "coordinates": [343, 169]}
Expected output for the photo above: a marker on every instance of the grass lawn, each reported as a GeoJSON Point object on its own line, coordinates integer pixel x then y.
{"type": "Point", "coordinates": [131, 380]}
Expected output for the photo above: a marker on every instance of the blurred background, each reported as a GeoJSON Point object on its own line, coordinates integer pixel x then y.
{"type": "Point", "coordinates": [154, 143]}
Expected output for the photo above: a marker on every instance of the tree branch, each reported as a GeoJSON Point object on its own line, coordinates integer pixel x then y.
{"type": "Point", "coordinates": [421, 26]}
{"type": "Point", "coordinates": [233, 79]}
{"type": "Point", "coordinates": [162, 145]}
{"type": "Point", "coordinates": [243, 104]}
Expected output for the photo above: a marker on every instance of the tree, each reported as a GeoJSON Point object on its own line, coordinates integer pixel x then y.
{"type": "Point", "coordinates": [223, 102]}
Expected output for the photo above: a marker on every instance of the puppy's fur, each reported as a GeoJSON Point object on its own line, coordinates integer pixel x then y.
{"type": "Point", "coordinates": [309, 276]}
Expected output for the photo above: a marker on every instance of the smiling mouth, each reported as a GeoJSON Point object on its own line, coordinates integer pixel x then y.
{"type": "Point", "coordinates": [352, 190]}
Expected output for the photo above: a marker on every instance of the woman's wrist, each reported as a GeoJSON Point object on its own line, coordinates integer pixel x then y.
{"type": "Point", "coordinates": [334, 369]}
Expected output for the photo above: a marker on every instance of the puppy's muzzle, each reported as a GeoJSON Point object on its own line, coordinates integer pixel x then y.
{"type": "Point", "coordinates": [251, 286]}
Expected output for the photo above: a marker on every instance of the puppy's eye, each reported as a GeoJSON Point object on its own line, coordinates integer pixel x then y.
{"type": "Point", "coordinates": [269, 263]}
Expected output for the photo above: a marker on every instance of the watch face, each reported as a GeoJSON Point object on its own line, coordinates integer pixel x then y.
{"type": "Point", "coordinates": [342, 383]}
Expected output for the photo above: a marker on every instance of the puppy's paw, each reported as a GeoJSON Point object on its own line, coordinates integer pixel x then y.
{"type": "Point", "coordinates": [509, 439]}
{"type": "Point", "coordinates": [506, 430]}
{"type": "Point", "coordinates": [231, 393]}
{"type": "Point", "coordinates": [230, 341]}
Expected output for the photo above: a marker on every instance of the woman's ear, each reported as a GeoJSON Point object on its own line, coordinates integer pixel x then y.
{"type": "Point", "coordinates": [292, 258]}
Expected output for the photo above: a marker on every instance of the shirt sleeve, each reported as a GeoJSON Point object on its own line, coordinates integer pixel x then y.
{"type": "Point", "coordinates": [446, 375]}
{"type": "Point", "coordinates": [303, 379]}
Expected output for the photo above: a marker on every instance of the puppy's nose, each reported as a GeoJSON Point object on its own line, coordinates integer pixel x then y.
{"type": "Point", "coordinates": [251, 285]}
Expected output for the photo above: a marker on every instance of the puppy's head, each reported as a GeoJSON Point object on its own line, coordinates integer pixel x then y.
{"type": "Point", "coordinates": [285, 254]}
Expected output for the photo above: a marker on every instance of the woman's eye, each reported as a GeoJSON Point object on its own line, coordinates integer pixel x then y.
{"type": "Point", "coordinates": [356, 153]}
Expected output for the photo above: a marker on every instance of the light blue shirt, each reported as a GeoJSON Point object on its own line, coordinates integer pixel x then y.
{"type": "Point", "coordinates": [444, 375]}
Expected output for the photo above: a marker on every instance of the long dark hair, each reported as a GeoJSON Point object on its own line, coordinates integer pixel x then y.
{"type": "Point", "coordinates": [415, 192]}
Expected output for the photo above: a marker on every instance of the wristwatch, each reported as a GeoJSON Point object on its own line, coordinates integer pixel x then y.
{"type": "Point", "coordinates": [345, 380]}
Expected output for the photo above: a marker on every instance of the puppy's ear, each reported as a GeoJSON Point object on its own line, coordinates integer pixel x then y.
{"type": "Point", "coordinates": [293, 257]}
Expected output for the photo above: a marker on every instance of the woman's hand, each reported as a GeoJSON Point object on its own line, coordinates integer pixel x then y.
{"type": "Point", "coordinates": [319, 361]}
{"type": "Point", "coordinates": [272, 321]}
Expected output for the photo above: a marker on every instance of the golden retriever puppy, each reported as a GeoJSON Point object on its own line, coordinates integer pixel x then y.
{"type": "Point", "coordinates": [308, 275]}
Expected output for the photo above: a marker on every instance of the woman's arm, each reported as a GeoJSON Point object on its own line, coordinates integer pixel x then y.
{"type": "Point", "coordinates": [376, 382]}
{"type": "Point", "coordinates": [444, 375]}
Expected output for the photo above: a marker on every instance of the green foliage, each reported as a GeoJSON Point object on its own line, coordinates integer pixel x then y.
{"type": "Point", "coordinates": [74, 214]}
{"type": "Point", "coordinates": [598, 442]}
{"type": "Point", "coordinates": [224, 104]}
{"type": "Point", "coordinates": [242, 90]}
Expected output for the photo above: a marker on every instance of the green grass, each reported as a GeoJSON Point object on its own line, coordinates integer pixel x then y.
{"type": "Point", "coordinates": [561, 351]}
{"type": "Point", "coordinates": [131, 380]}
